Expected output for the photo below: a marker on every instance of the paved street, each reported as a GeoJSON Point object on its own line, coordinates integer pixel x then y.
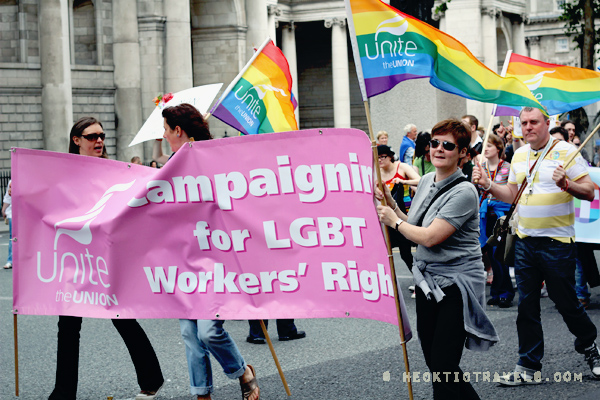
{"type": "Point", "coordinates": [338, 359]}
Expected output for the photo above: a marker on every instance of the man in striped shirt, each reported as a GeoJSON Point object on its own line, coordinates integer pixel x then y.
{"type": "Point", "coordinates": [545, 248]}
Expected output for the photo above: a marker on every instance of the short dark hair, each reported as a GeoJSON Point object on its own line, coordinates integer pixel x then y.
{"type": "Point", "coordinates": [189, 119]}
{"type": "Point", "coordinates": [530, 109]}
{"type": "Point", "coordinates": [421, 143]}
{"type": "Point", "coordinates": [456, 128]}
{"type": "Point", "coordinates": [472, 120]}
{"type": "Point", "coordinates": [77, 130]}
{"type": "Point", "coordinates": [562, 131]}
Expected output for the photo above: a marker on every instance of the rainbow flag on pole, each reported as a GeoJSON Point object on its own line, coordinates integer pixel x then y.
{"type": "Point", "coordinates": [390, 47]}
{"type": "Point", "coordinates": [559, 88]}
{"type": "Point", "coordinates": [260, 100]}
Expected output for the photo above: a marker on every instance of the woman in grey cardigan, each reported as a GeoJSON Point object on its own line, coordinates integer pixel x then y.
{"type": "Point", "coordinates": [448, 271]}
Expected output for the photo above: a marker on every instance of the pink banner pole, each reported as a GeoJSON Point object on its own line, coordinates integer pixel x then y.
{"type": "Point", "coordinates": [16, 356]}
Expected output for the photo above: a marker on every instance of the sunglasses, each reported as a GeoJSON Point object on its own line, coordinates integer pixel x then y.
{"type": "Point", "coordinates": [449, 146]}
{"type": "Point", "coordinates": [92, 137]}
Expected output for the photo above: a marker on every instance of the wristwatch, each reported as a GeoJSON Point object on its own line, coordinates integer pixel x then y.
{"type": "Point", "coordinates": [398, 223]}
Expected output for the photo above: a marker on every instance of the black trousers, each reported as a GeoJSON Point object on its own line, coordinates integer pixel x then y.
{"type": "Point", "coordinates": [285, 327]}
{"type": "Point", "coordinates": [442, 334]}
{"type": "Point", "coordinates": [147, 368]}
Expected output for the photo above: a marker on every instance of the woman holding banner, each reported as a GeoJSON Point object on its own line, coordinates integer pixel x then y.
{"type": "Point", "coordinates": [87, 139]}
{"type": "Point", "coordinates": [447, 268]}
{"type": "Point", "coordinates": [183, 124]}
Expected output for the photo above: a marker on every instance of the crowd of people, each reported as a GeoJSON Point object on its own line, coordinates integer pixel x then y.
{"type": "Point", "coordinates": [444, 193]}
{"type": "Point", "coordinates": [455, 205]}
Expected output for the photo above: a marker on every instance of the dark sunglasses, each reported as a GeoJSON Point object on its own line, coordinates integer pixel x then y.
{"type": "Point", "coordinates": [449, 146]}
{"type": "Point", "coordinates": [92, 137]}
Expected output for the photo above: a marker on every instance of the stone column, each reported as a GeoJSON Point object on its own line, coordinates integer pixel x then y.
{"type": "Point", "coordinates": [99, 32]}
{"type": "Point", "coordinates": [152, 45]}
{"type": "Point", "coordinates": [288, 41]}
{"type": "Point", "coordinates": [534, 47]}
{"type": "Point", "coordinates": [57, 97]}
{"type": "Point", "coordinates": [489, 18]}
{"type": "Point", "coordinates": [22, 15]}
{"type": "Point", "coordinates": [519, 36]}
{"type": "Point", "coordinates": [257, 20]}
{"type": "Point", "coordinates": [178, 47]}
{"type": "Point", "coordinates": [339, 67]}
{"type": "Point", "coordinates": [126, 54]}
{"type": "Point", "coordinates": [273, 13]}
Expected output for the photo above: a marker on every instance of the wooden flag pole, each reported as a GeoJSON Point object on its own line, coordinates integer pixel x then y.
{"type": "Point", "coordinates": [587, 139]}
{"type": "Point", "coordinates": [16, 355]}
{"type": "Point", "coordinates": [281, 375]}
{"type": "Point", "coordinates": [390, 256]}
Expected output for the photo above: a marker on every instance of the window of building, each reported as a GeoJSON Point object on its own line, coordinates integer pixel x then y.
{"type": "Point", "coordinates": [562, 45]}
{"type": "Point", "coordinates": [559, 4]}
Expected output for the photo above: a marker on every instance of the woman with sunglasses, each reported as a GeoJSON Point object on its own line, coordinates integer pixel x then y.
{"type": "Point", "coordinates": [448, 272]}
{"type": "Point", "coordinates": [87, 139]}
{"type": "Point", "coordinates": [183, 124]}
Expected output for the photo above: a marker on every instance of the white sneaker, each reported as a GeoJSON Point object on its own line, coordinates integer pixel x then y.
{"type": "Point", "coordinates": [413, 296]}
{"type": "Point", "coordinates": [544, 291]}
{"type": "Point", "coordinates": [592, 357]}
{"type": "Point", "coordinates": [411, 288]}
{"type": "Point", "coordinates": [8, 265]}
{"type": "Point", "coordinates": [147, 394]}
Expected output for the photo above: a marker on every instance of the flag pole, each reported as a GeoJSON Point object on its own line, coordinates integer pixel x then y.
{"type": "Point", "coordinates": [491, 123]}
{"type": "Point", "coordinates": [16, 355]}
{"type": "Point", "coordinates": [281, 375]}
{"type": "Point", "coordinates": [390, 255]}
{"type": "Point", "coordinates": [587, 139]}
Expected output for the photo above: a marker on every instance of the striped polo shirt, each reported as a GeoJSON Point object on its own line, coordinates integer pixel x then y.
{"type": "Point", "coordinates": [548, 211]}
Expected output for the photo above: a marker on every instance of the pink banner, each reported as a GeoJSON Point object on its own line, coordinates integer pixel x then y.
{"type": "Point", "coordinates": [265, 226]}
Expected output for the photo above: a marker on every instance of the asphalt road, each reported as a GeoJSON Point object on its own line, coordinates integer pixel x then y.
{"type": "Point", "coordinates": [339, 358]}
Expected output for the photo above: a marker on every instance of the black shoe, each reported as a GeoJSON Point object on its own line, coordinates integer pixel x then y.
{"type": "Point", "coordinates": [505, 302]}
{"type": "Point", "coordinates": [255, 340]}
{"type": "Point", "coordinates": [297, 335]}
{"type": "Point", "coordinates": [493, 301]}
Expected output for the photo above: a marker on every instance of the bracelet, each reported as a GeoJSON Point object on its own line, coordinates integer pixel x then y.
{"type": "Point", "coordinates": [566, 188]}
{"type": "Point", "coordinates": [489, 187]}
{"type": "Point", "coordinates": [395, 208]}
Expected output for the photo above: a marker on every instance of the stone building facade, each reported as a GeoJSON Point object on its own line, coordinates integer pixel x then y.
{"type": "Point", "coordinates": [63, 59]}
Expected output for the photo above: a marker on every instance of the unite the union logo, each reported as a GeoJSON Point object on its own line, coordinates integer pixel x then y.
{"type": "Point", "coordinates": [394, 48]}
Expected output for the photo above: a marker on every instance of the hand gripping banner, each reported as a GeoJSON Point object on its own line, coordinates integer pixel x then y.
{"type": "Point", "coordinates": [257, 227]}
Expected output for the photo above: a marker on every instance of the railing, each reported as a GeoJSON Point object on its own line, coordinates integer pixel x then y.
{"type": "Point", "coordinates": [4, 179]}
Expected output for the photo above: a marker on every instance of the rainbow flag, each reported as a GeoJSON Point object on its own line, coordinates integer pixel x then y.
{"type": "Point", "coordinates": [559, 88]}
{"type": "Point", "coordinates": [391, 47]}
{"type": "Point", "coordinates": [260, 100]}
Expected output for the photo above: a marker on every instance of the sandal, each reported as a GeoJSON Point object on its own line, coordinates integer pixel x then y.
{"type": "Point", "coordinates": [249, 387]}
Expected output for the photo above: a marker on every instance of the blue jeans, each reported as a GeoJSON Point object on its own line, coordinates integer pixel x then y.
{"type": "Point", "coordinates": [502, 286]}
{"type": "Point", "coordinates": [9, 260]}
{"type": "Point", "coordinates": [538, 259]}
{"type": "Point", "coordinates": [201, 337]}
{"type": "Point", "coordinates": [581, 287]}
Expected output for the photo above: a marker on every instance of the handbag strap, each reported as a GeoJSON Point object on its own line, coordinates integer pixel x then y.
{"type": "Point", "coordinates": [438, 194]}
{"type": "Point", "coordinates": [521, 190]}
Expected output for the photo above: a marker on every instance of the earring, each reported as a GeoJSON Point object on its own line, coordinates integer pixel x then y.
{"type": "Point", "coordinates": [178, 135]}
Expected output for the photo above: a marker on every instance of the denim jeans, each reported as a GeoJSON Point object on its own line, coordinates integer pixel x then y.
{"type": "Point", "coordinates": [538, 259]}
{"type": "Point", "coordinates": [9, 259]}
{"type": "Point", "coordinates": [502, 286]}
{"type": "Point", "coordinates": [202, 337]}
{"type": "Point", "coordinates": [581, 287]}
{"type": "Point", "coordinates": [285, 327]}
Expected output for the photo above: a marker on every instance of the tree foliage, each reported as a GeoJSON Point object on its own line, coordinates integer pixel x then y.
{"type": "Point", "coordinates": [579, 17]}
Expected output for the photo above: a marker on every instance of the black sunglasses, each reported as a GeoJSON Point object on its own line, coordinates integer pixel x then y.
{"type": "Point", "coordinates": [92, 137]}
{"type": "Point", "coordinates": [449, 146]}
